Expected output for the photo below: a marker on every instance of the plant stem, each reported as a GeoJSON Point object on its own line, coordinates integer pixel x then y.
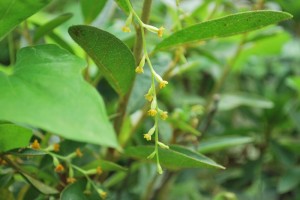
{"type": "Point", "coordinates": [137, 51]}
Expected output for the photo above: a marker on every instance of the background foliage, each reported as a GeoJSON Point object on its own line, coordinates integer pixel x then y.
{"type": "Point", "coordinates": [67, 77]}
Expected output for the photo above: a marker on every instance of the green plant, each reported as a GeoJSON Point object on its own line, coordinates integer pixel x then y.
{"type": "Point", "coordinates": [85, 120]}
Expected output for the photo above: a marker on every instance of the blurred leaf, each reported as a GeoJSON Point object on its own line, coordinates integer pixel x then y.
{"type": "Point", "coordinates": [76, 191]}
{"type": "Point", "coordinates": [27, 152]}
{"type": "Point", "coordinates": [271, 45]}
{"type": "Point", "coordinates": [289, 180]}
{"type": "Point", "coordinates": [219, 143]}
{"type": "Point", "coordinates": [60, 41]}
{"type": "Point", "coordinates": [13, 136]}
{"type": "Point", "coordinates": [14, 12]}
{"type": "Point", "coordinates": [43, 188]}
{"type": "Point", "coordinates": [91, 9]}
{"type": "Point", "coordinates": [105, 166]}
{"type": "Point", "coordinates": [6, 194]}
{"type": "Point", "coordinates": [114, 179]}
{"type": "Point", "coordinates": [231, 101]}
{"type": "Point", "coordinates": [223, 27]}
{"type": "Point", "coordinates": [49, 26]}
{"type": "Point", "coordinates": [176, 157]}
{"type": "Point", "coordinates": [111, 55]}
{"type": "Point", "coordinates": [123, 5]}
{"type": "Point", "coordinates": [48, 80]}
{"type": "Point", "coordinates": [184, 126]}
{"type": "Point", "coordinates": [294, 82]}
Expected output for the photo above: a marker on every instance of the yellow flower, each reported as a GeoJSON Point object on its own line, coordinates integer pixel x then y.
{"type": "Point", "coordinates": [78, 152]}
{"type": "Point", "coordinates": [59, 168]}
{"type": "Point", "coordinates": [126, 29]}
{"type": "Point", "coordinates": [139, 70]}
{"type": "Point", "coordinates": [56, 147]}
{"type": "Point", "coordinates": [163, 84]}
{"type": "Point", "coordinates": [160, 31]}
{"type": "Point", "coordinates": [149, 97]}
{"type": "Point", "coordinates": [99, 170]}
{"type": "Point", "coordinates": [152, 112]}
{"type": "Point", "coordinates": [147, 136]}
{"type": "Point", "coordinates": [103, 194]}
{"type": "Point", "coordinates": [71, 180]}
{"type": "Point", "coordinates": [35, 145]}
{"type": "Point", "coordinates": [164, 115]}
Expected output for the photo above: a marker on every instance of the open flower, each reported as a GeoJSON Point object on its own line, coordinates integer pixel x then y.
{"type": "Point", "coordinates": [59, 168]}
{"type": "Point", "coordinates": [148, 135]}
{"type": "Point", "coordinates": [152, 112]}
{"type": "Point", "coordinates": [35, 145]}
{"type": "Point", "coordinates": [163, 115]}
{"type": "Point", "coordinates": [162, 84]}
{"type": "Point", "coordinates": [78, 153]}
{"type": "Point", "coordinates": [126, 29]}
{"type": "Point", "coordinates": [139, 70]}
{"type": "Point", "coordinates": [160, 31]}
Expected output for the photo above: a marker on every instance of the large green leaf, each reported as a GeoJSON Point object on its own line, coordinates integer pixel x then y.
{"type": "Point", "coordinates": [111, 55]}
{"type": "Point", "coordinates": [91, 9]}
{"type": "Point", "coordinates": [14, 12]}
{"type": "Point", "coordinates": [105, 166]}
{"type": "Point", "coordinates": [176, 157]}
{"type": "Point", "coordinates": [13, 136]}
{"type": "Point", "coordinates": [46, 90]}
{"type": "Point", "coordinates": [223, 27]}
{"type": "Point", "coordinates": [49, 26]}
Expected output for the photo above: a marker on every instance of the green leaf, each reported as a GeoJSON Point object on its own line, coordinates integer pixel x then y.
{"type": "Point", "coordinates": [91, 9]}
{"type": "Point", "coordinates": [123, 5]}
{"type": "Point", "coordinates": [44, 92]}
{"type": "Point", "coordinates": [13, 136]}
{"type": "Point", "coordinates": [111, 55]}
{"type": "Point", "coordinates": [223, 27]}
{"type": "Point", "coordinates": [43, 188]}
{"type": "Point", "coordinates": [176, 157]}
{"type": "Point", "coordinates": [76, 191]}
{"type": "Point", "coordinates": [289, 180]}
{"type": "Point", "coordinates": [294, 82]}
{"type": "Point", "coordinates": [14, 12]}
{"type": "Point", "coordinates": [27, 152]}
{"type": "Point", "coordinates": [105, 166]}
{"type": "Point", "coordinates": [231, 101]}
{"type": "Point", "coordinates": [49, 26]}
{"type": "Point", "coordinates": [6, 194]}
{"type": "Point", "coordinates": [219, 143]}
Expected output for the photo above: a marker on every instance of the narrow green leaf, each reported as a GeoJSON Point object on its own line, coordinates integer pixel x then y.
{"type": "Point", "coordinates": [219, 143]}
{"type": "Point", "coordinates": [176, 157]}
{"type": "Point", "coordinates": [49, 26]}
{"type": "Point", "coordinates": [105, 166]}
{"type": "Point", "coordinates": [6, 194]}
{"type": "Point", "coordinates": [231, 101]}
{"type": "Point", "coordinates": [14, 12]}
{"type": "Point", "coordinates": [223, 27]}
{"type": "Point", "coordinates": [294, 82]}
{"type": "Point", "coordinates": [27, 152]}
{"type": "Point", "coordinates": [44, 92]}
{"type": "Point", "coordinates": [91, 9]}
{"type": "Point", "coordinates": [40, 186]}
{"type": "Point", "coordinates": [13, 136]}
{"type": "Point", "coordinates": [111, 55]}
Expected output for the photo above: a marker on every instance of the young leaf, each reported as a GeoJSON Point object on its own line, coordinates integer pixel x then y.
{"type": "Point", "coordinates": [14, 12]}
{"type": "Point", "coordinates": [13, 136]}
{"type": "Point", "coordinates": [44, 92]}
{"type": "Point", "coordinates": [111, 55]}
{"type": "Point", "coordinates": [223, 27]}
{"type": "Point", "coordinates": [91, 9]}
{"type": "Point", "coordinates": [176, 157]}
{"type": "Point", "coordinates": [49, 26]}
